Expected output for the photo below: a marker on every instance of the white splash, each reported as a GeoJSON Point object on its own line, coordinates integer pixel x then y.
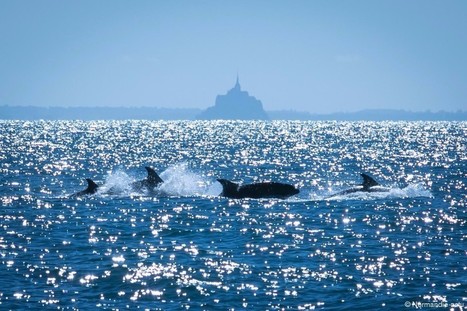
{"type": "Point", "coordinates": [117, 182]}
{"type": "Point", "coordinates": [179, 180]}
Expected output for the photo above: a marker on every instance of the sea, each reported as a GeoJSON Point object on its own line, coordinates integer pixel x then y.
{"type": "Point", "coordinates": [185, 247]}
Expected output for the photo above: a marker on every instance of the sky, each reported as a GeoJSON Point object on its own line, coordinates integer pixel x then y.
{"type": "Point", "coordinates": [315, 56]}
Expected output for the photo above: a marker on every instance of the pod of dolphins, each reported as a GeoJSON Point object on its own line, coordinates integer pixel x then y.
{"type": "Point", "coordinates": [236, 191]}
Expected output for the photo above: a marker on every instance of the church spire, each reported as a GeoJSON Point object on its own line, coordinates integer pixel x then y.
{"type": "Point", "coordinates": [237, 84]}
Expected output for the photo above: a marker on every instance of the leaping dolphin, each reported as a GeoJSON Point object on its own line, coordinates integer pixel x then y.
{"type": "Point", "coordinates": [151, 181]}
{"type": "Point", "coordinates": [256, 191]}
{"type": "Point", "coordinates": [368, 185]}
{"type": "Point", "coordinates": [91, 189]}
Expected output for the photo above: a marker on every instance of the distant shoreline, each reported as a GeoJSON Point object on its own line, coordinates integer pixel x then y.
{"type": "Point", "coordinates": [154, 113]}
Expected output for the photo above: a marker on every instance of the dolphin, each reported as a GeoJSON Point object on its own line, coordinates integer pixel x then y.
{"type": "Point", "coordinates": [257, 190]}
{"type": "Point", "coordinates": [151, 181]}
{"type": "Point", "coordinates": [91, 189]}
{"type": "Point", "coordinates": [368, 185]}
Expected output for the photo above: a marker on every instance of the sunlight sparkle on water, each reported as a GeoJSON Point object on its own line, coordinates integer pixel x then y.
{"type": "Point", "coordinates": [185, 247]}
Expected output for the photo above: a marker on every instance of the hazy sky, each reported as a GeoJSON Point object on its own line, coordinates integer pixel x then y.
{"type": "Point", "coordinates": [316, 56]}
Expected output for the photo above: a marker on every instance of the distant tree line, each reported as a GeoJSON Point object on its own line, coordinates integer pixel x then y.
{"type": "Point", "coordinates": [152, 113]}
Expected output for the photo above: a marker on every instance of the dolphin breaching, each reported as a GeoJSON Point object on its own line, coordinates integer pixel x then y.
{"type": "Point", "coordinates": [148, 184]}
{"type": "Point", "coordinates": [229, 188]}
{"type": "Point", "coordinates": [368, 185]}
{"type": "Point", "coordinates": [152, 180]}
{"type": "Point", "coordinates": [232, 190]}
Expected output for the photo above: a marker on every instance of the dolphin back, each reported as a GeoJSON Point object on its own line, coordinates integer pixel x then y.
{"type": "Point", "coordinates": [268, 190]}
{"type": "Point", "coordinates": [92, 186]}
{"type": "Point", "coordinates": [256, 191]}
{"type": "Point", "coordinates": [153, 178]}
{"type": "Point", "coordinates": [229, 189]}
{"type": "Point", "coordinates": [90, 189]}
{"type": "Point", "coordinates": [368, 182]}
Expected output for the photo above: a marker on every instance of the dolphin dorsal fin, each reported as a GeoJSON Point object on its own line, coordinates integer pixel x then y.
{"type": "Point", "coordinates": [368, 182]}
{"type": "Point", "coordinates": [152, 176]}
{"type": "Point", "coordinates": [92, 186]}
{"type": "Point", "coordinates": [228, 187]}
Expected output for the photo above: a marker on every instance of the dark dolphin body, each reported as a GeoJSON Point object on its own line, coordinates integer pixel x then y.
{"type": "Point", "coordinates": [368, 185]}
{"type": "Point", "coordinates": [91, 189]}
{"type": "Point", "coordinates": [151, 181]}
{"type": "Point", "coordinates": [256, 191]}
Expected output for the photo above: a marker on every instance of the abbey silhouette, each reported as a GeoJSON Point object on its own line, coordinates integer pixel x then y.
{"type": "Point", "coordinates": [235, 105]}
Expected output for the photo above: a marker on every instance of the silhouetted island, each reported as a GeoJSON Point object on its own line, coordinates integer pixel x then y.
{"type": "Point", "coordinates": [235, 105]}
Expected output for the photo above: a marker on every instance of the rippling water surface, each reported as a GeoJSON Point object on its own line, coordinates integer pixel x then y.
{"type": "Point", "coordinates": [188, 248]}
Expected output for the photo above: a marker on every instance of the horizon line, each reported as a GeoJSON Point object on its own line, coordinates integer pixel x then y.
{"type": "Point", "coordinates": [200, 109]}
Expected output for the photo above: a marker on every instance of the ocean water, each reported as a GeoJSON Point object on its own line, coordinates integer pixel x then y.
{"type": "Point", "coordinates": [187, 248]}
